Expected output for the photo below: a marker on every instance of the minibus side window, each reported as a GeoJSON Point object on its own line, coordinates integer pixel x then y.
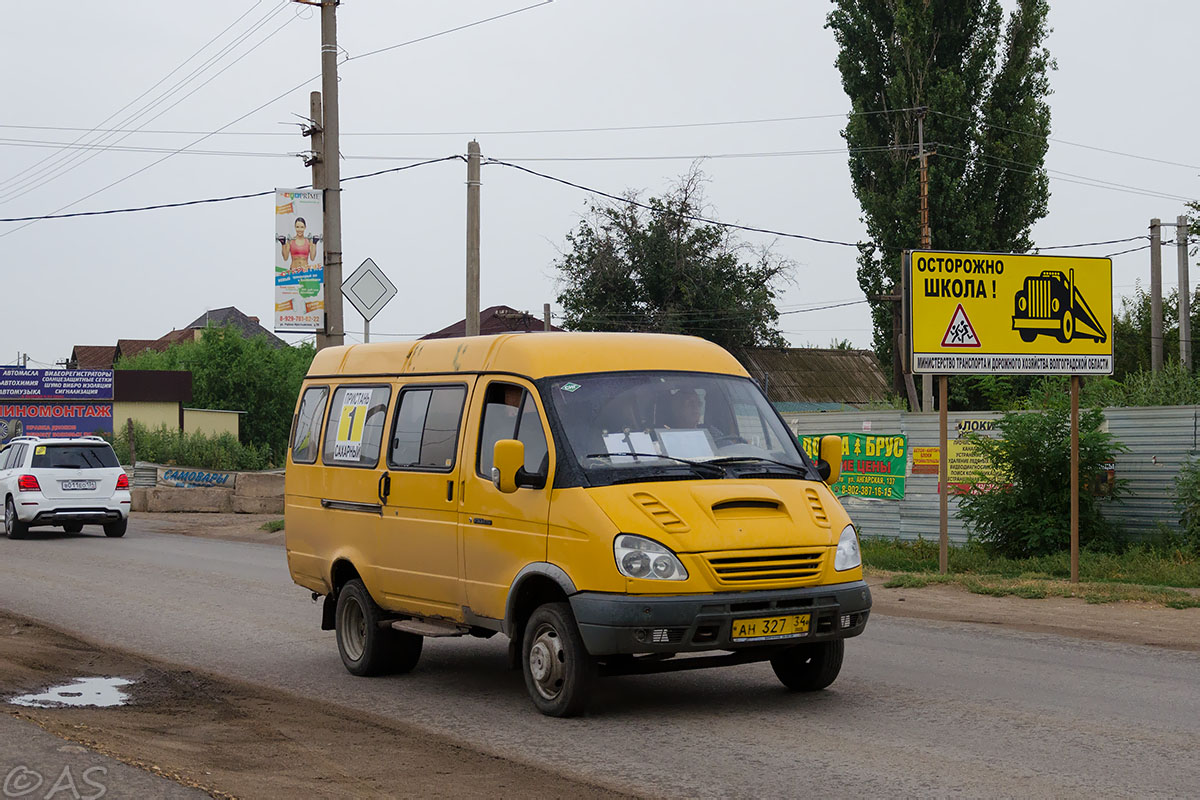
{"type": "Point", "coordinates": [509, 412]}
{"type": "Point", "coordinates": [307, 434]}
{"type": "Point", "coordinates": [354, 432]}
{"type": "Point", "coordinates": [425, 435]}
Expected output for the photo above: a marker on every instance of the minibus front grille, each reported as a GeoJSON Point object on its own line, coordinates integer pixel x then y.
{"type": "Point", "coordinates": [793, 566]}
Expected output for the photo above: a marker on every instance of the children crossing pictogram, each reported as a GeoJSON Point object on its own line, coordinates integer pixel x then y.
{"type": "Point", "coordinates": [960, 333]}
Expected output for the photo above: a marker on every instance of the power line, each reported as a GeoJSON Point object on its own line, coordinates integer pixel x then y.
{"type": "Point", "coordinates": [368, 157]}
{"type": "Point", "coordinates": [450, 30]}
{"type": "Point", "coordinates": [1092, 244]}
{"type": "Point", "coordinates": [212, 199]}
{"type": "Point", "coordinates": [88, 131]}
{"type": "Point", "coordinates": [507, 132]}
{"type": "Point", "coordinates": [66, 165]}
{"type": "Point", "coordinates": [1064, 141]}
{"type": "Point", "coordinates": [1066, 177]}
{"type": "Point", "coordinates": [52, 214]}
{"type": "Point", "coordinates": [690, 217]}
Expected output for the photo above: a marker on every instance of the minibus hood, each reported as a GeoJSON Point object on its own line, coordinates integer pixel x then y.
{"type": "Point", "coordinates": [717, 515]}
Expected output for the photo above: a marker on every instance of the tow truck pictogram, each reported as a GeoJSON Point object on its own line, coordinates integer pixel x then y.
{"type": "Point", "coordinates": [1050, 304]}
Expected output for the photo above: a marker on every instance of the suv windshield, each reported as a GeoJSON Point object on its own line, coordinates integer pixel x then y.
{"type": "Point", "coordinates": [74, 456]}
{"type": "Point", "coordinates": [624, 426]}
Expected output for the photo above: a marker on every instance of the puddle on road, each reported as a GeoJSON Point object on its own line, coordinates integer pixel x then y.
{"type": "Point", "coordinates": [91, 692]}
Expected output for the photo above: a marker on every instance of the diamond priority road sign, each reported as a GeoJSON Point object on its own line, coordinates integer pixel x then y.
{"type": "Point", "coordinates": [368, 289]}
{"type": "Point", "coordinates": [1001, 313]}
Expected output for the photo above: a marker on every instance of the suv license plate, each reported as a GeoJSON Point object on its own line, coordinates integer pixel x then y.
{"type": "Point", "coordinates": [792, 626]}
{"type": "Point", "coordinates": [75, 486]}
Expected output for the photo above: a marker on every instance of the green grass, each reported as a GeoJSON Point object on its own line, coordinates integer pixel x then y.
{"type": "Point", "coordinates": [271, 526]}
{"type": "Point", "coordinates": [1138, 574]}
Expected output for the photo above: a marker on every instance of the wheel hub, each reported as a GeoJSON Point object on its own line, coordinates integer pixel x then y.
{"type": "Point", "coordinates": [547, 662]}
{"type": "Point", "coordinates": [353, 630]}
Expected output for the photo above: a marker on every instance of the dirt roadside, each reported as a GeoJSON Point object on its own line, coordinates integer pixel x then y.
{"type": "Point", "coordinates": [231, 739]}
{"type": "Point", "coordinates": [1128, 623]}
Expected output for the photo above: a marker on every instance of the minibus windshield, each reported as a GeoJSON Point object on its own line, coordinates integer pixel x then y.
{"type": "Point", "coordinates": [671, 425]}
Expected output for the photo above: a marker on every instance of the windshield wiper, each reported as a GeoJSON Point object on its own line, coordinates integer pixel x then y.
{"type": "Point", "coordinates": [749, 459]}
{"type": "Point", "coordinates": [701, 467]}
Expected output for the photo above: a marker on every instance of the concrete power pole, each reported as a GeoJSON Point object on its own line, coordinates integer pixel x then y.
{"type": "Point", "coordinates": [472, 318]}
{"type": "Point", "coordinates": [1156, 332]}
{"type": "Point", "coordinates": [335, 330]}
{"type": "Point", "coordinates": [316, 134]}
{"type": "Point", "coordinates": [545, 316]}
{"type": "Point", "coordinates": [1185, 294]}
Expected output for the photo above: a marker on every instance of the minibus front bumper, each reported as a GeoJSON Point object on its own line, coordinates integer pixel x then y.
{"type": "Point", "coordinates": [627, 624]}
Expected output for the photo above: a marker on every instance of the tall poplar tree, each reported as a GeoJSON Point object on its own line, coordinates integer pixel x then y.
{"type": "Point", "coordinates": [988, 121]}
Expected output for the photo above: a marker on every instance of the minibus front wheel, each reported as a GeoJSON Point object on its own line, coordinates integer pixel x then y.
{"type": "Point", "coordinates": [559, 671]}
{"type": "Point", "coordinates": [366, 643]}
{"type": "Point", "coordinates": [809, 667]}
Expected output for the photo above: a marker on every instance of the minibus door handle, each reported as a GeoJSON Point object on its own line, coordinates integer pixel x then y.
{"type": "Point", "coordinates": [449, 491]}
{"type": "Point", "coordinates": [385, 487]}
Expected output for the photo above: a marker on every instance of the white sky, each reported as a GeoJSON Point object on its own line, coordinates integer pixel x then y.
{"type": "Point", "coordinates": [570, 64]}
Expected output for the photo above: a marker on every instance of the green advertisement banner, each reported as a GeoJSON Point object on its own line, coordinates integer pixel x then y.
{"type": "Point", "coordinates": [873, 465]}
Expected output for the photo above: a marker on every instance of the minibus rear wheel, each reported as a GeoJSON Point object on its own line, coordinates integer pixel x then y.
{"type": "Point", "coordinates": [809, 667]}
{"type": "Point", "coordinates": [559, 671]}
{"type": "Point", "coordinates": [366, 643]}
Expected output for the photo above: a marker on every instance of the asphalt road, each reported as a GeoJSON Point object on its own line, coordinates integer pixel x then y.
{"type": "Point", "coordinates": [921, 708]}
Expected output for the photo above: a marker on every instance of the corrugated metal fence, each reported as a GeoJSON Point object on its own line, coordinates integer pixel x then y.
{"type": "Point", "coordinates": [1160, 440]}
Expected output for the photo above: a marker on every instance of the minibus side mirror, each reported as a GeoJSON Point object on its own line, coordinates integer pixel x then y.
{"type": "Point", "coordinates": [508, 458]}
{"type": "Point", "coordinates": [829, 463]}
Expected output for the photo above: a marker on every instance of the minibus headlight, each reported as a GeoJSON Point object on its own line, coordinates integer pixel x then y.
{"type": "Point", "coordinates": [639, 557]}
{"type": "Point", "coordinates": [848, 555]}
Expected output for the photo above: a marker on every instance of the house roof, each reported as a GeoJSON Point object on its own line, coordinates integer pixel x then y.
{"type": "Point", "coordinates": [127, 348]}
{"type": "Point", "coordinates": [492, 320]}
{"type": "Point", "coordinates": [93, 356]}
{"type": "Point", "coordinates": [805, 375]}
{"type": "Point", "coordinates": [249, 326]}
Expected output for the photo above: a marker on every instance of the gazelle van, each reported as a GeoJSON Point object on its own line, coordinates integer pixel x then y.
{"type": "Point", "coordinates": [612, 503]}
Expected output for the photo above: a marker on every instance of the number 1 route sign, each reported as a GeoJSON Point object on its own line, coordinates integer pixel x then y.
{"type": "Point", "coordinates": [1002, 313]}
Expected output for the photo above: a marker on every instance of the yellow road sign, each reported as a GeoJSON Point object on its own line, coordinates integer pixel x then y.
{"type": "Point", "coordinates": [1001, 313]}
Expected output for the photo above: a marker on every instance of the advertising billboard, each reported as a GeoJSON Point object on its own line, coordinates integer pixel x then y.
{"type": "Point", "coordinates": [56, 384]}
{"type": "Point", "coordinates": [299, 261]}
{"type": "Point", "coordinates": [1002, 313]}
{"type": "Point", "coordinates": [55, 403]}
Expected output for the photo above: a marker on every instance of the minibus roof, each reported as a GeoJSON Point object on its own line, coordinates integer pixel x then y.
{"type": "Point", "coordinates": [533, 355]}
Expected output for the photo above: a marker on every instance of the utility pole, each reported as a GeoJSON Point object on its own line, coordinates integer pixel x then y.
{"type": "Point", "coordinates": [316, 160]}
{"type": "Point", "coordinates": [545, 316]}
{"type": "Point", "coordinates": [472, 318]}
{"type": "Point", "coordinates": [335, 330]}
{"type": "Point", "coordinates": [926, 238]}
{"type": "Point", "coordinates": [1156, 332]}
{"type": "Point", "coordinates": [1185, 294]}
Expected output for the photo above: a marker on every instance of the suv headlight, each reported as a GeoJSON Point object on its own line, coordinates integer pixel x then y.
{"type": "Point", "coordinates": [848, 555]}
{"type": "Point", "coordinates": [639, 557]}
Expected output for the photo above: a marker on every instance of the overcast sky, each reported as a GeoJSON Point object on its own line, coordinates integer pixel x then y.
{"type": "Point", "coordinates": [72, 66]}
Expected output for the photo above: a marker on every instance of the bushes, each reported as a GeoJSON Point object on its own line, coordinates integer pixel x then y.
{"type": "Point", "coordinates": [167, 446]}
{"type": "Point", "coordinates": [1187, 500]}
{"type": "Point", "coordinates": [1032, 515]}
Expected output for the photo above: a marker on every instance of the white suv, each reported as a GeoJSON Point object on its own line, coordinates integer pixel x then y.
{"type": "Point", "coordinates": [67, 483]}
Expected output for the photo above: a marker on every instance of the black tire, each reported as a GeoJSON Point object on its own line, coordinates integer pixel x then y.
{"type": "Point", "coordinates": [809, 667]}
{"type": "Point", "coordinates": [367, 645]}
{"type": "Point", "coordinates": [114, 530]}
{"type": "Point", "coordinates": [1027, 335]}
{"type": "Point", "coordinates": [559, 671]}
{"type": "Point", "coordinates": [74, 527]}
{"type": "Point", "coordinates": [13, 527]}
